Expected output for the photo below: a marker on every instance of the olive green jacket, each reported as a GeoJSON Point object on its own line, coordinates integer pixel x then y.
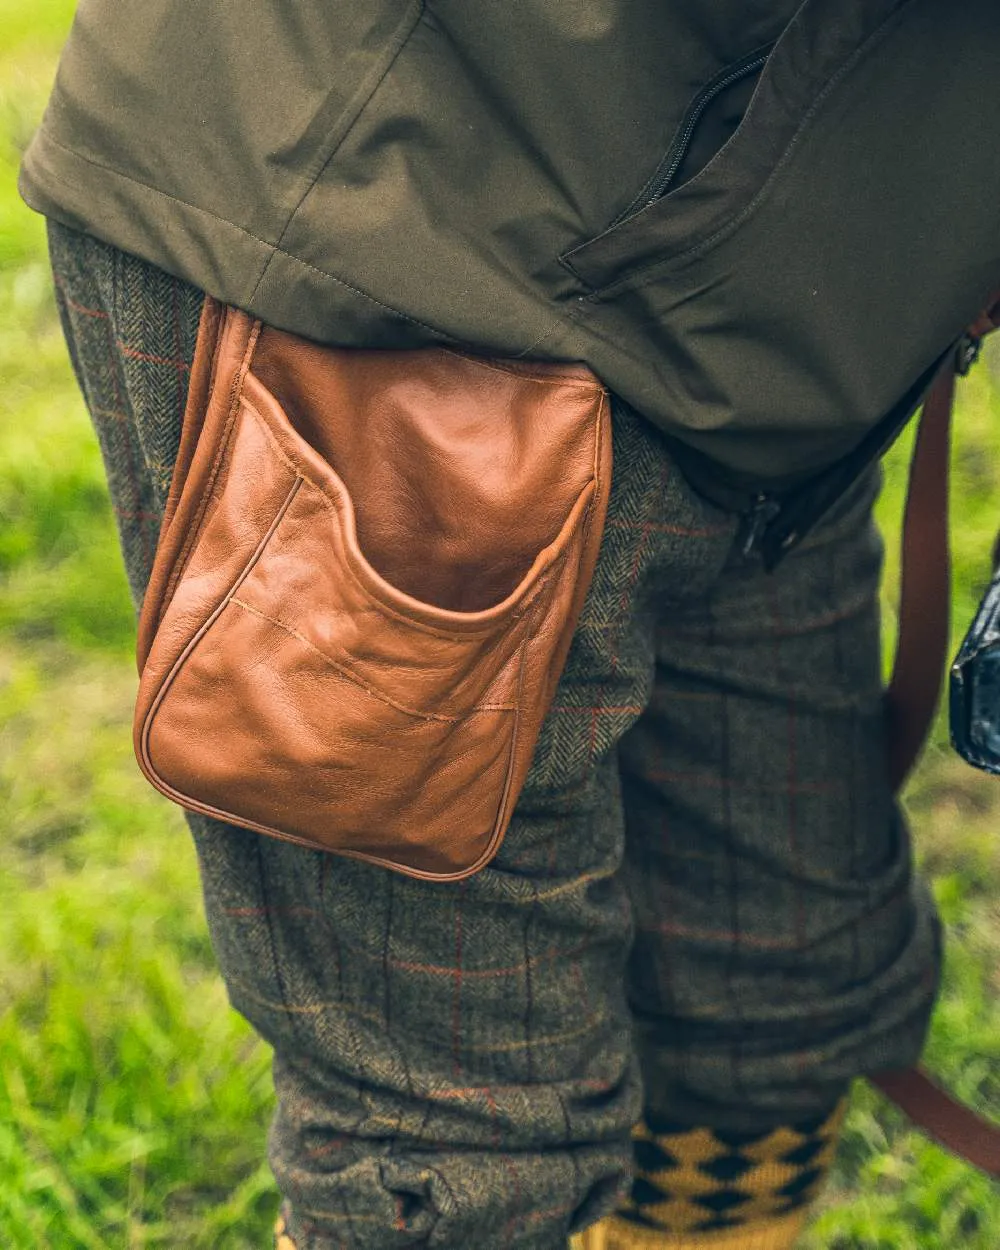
{"type": "Point", "coordinates": [760, 222]}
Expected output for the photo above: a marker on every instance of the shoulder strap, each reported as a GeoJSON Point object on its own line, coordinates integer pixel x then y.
{"type": "Point", "coordinates": [956, 1127]}
{"type": "Point", "coordinates": [910, 702]}
{"type": "Point", "coordinates": [924, 587]}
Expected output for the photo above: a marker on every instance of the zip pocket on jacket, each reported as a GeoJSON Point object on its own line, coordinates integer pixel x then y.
{"type": "Point", "coordinates": [734, 143]}
{"type": "Point", "coordinates": [714, 115]}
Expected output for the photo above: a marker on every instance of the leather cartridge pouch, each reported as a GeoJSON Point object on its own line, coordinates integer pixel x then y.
{"type": "Point", "coordinates": [368, 575]}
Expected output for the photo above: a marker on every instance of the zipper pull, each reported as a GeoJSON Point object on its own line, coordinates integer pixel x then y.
{"type": "Point", "coordinates": [967, 353]}
{"type": "Point", "coordinates": [756, 521]}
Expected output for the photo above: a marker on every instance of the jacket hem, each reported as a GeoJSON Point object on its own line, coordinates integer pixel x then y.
{"type": "Point", "coordinates": [259, 277]}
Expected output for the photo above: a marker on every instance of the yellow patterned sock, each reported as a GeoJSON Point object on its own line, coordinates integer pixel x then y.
{"type": "Point", "coordinates": [704, 1189]}
{"type": "Point", "coordinates": [282, 1239]}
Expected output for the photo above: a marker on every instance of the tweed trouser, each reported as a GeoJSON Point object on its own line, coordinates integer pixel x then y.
{"type": "Point", "coordinates": [704, 911]}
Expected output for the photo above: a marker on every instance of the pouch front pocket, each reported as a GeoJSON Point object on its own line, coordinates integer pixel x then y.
{"type": "Point", "coordinates": [292, 689]}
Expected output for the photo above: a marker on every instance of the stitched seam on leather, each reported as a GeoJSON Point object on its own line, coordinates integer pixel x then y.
{"type": "Point", "coordinates": [212, 307]}
{"type": "Point", "coordinates": [599, 442]}
{"type": "Point", "coordinates": [189, 647]}
{"type": "Point", "coordinates": [566, 379]}
{"type": "Point", "coordinates": [588, 516]}
{"type": "Point", "coordinates": [186, 551]}
{"type": "Point", "coordinates": [192, 804]}
{"type": "Point", "coordinates": [436, 631]}
{"type": "Point", "coordinates": [505, 811]}
{"type": "Point", "coordinates": [349, 675]}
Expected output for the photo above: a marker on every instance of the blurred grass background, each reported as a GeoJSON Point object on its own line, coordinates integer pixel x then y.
{"type": "Point", "coordinates": [133, 1102]}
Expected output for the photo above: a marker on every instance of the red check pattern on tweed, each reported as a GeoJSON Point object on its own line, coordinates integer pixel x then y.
{"type": "Point", "coordinates": [704, 911]}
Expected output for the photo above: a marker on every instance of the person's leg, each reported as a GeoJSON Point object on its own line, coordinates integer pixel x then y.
{"type": "Point", "coordinates": [452, 1061]}
{"type": "Point", "coordinates": [783, 945]}
{"type": "Point", "coordinates": [461, 1074]}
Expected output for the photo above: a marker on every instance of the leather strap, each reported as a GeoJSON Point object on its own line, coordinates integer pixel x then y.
{"type": "Point", "coordinates": [910, 703]}
{"type": "Point", "coordinates": [956, 1127]}
{"type": "Point", "coordinates": [925, 585]}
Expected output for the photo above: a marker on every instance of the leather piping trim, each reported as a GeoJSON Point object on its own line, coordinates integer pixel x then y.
{"type": "Point", "coordinates": [206, 809]}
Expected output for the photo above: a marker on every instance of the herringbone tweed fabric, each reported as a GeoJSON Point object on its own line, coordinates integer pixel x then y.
{"type": "Point", "coordinates": [704, 909]}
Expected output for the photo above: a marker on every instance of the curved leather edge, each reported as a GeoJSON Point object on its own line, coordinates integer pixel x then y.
{"type": "Point", "coordinates": [224, 336]}
{"type": "Point", "coordinates": [225, 349]}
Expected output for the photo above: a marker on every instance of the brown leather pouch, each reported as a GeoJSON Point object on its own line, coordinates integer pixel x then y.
{"type": "Point", "coordinates": [367, 579]}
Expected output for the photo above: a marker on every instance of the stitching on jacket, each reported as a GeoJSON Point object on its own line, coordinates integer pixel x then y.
{"type": "Point", "coordinates": [401, 37]}
{"type": "Point", "coordinates": [272, 247]}
{"type": "Point", "coordinates": [324, 273]}
{"type": "Point", "coordinates": [648, 272]}
{"type": "Point", "coordinates": [497, 367]}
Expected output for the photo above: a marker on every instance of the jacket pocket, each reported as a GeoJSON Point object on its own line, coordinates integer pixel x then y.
{"type": "Point", "coordinates": [781, 311]}
{"type": "Point", "coordinates": [709, 122]}
{"type": "Point", "coordinates": [733, 142]}
{"type": "Point", "coordinates": [291, 687]}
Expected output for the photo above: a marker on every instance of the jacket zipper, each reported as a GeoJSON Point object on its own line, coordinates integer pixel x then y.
{"type": "Point", "coordinates": [658, 185]}
{"type": "Point", "coordinates": [679, 150]}
{"type": "Point", "coordinates": [756, 520]}
{"type": "Point", "coordinates": [774, 524]}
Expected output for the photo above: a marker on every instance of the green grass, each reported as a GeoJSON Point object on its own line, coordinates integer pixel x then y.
{"type": "Point", "coordinates": [133, 1102]}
